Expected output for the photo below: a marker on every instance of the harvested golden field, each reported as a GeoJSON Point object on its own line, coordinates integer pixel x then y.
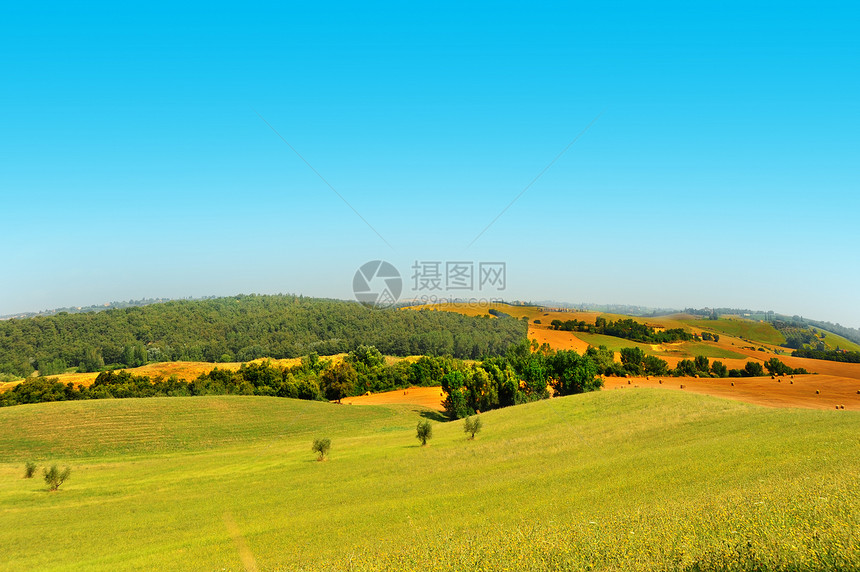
{"type": "Point", "coordinates": [557, 339]}
{"type": "Point", "coordinates": [185, 370]}
{"type": "Point", "coordinates": [429, 397]}
{"type": "Point", "coordinates": [787, 391]}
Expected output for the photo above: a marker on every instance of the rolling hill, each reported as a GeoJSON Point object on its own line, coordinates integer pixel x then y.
{"type": "Point", "coordinates": [634, 480]}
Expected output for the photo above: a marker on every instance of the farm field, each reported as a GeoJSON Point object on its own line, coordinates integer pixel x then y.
{"type": "Point", "coordinates": [634, 479]}
{"type": "Point", "coordinates": [185, 370]}
{"type": "Point", "coordinates": [428, 397]}
{"type": "Point", "coordinates": [787, 391]}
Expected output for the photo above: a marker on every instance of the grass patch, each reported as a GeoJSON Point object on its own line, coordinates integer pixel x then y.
{"type": "Point", "coordinates": [684, 349]}
{"type": "Point", "coordinates": [615, 480]}
{"type": "Point", "coordinates": [832, 341]}
{"type": "Point", "coordinates": [762, 332]}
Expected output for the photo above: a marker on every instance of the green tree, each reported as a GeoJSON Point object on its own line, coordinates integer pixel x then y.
{"type": "Point", "coordinates": [91, 361]}
{"type": "Point", "coordinates": [753, 369]}
{"type": "Point", "coordinates": [655, 366]}
{"type": "Point", "coordinates": [321, 448]}
{"type": "Point", "coordinates": [424, 431]}
{"type": "Point", "coordinates": [54, 477]}
{"type": "Point", "coordinates": [472, 425]}
{"type": "Point", "coordinates": [719, 369]}
{"type": "Point", "coordinates": [685, 368]}
{"type": "Point", "coordinates": [338, 381]}
{"type": "Point", "coordinates": [632, 359]}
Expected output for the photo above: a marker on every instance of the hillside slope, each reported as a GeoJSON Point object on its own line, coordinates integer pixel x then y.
{"type": "Point", "coordinates": [618, 480]}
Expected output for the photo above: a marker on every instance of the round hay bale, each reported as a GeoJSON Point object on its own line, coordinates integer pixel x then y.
{"type": "Point", "coordinates": [682, 386]}
{"type": "Point", "coordinates": [733, 384]}
{"type": "Point", "coordinates": [841, 407]}
{"type": "Point", "coordinates": [837, 407]}
{"type": "Point", "coordinates": [629, 382]}
{"type": "Point", "coordinates": [791, 382]}
{"type": "Point", "coordinates": [660, 381]}
{"type": "Point", "coordinates": [817, 392]}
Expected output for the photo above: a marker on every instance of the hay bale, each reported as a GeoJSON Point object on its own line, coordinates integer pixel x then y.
{"type": "Point", "coordinates": [629, 382]}
{"type": "Point", "coordinates": [733, 384]}
{"type": "Point", "coordinates": [841, 407]}
{"type": "Point", "coordinates": [817, 392]}
{"type": "Point", "coordinates": [837, 407]}
{"type": "Point", "coordinates": [682, 386]}
{"type": "Point", "coordinates": [660, 381]}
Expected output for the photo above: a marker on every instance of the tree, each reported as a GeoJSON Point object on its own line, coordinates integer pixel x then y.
{"type": "Point", "coordinates": [655, 366]}
{"type": "Point", "coordinates": [338, 381]}
{"type": "Point", "coordinates": [321, 448]}
{"type": "Point", "coordinates": [753, 369]}
{"type": "Point", "coordinates": [472, 425]}
{"type": "Point", "coordinates": [54, 477]}
{"type": "Point", "coordinates": [425, 431]}
{"type": "Point", "coordinates": [685, 368]}
{"type": "Point", "coordinates": [719, 369]}
{"type": "Point", "coordinates": [631, 359]}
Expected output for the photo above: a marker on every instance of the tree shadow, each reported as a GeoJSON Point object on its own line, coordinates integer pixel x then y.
{"type": "Point", "coordinates": [432, 415]}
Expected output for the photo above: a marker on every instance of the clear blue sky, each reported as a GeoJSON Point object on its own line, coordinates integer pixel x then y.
{"type": "Point", "coordinates": [723, 171]}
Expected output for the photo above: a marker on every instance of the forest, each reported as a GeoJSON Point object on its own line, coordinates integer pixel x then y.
{"type": "Point", "coordinates": [626, 328]}
{"type": "Point", "coordinates": [241, 328]}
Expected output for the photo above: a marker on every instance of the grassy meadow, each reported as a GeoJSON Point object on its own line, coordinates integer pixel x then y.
{"type": "Point", "coordinates": [638, 479]}
{"type": "Point", "coordinates": [762, 332]}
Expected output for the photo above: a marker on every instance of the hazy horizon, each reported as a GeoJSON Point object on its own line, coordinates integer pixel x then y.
{"type": "Point", "coordinates": [664, 155]}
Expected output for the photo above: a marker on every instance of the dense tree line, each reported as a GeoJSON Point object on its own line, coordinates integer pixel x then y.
{"type": "Point", "coordinates": [241, 328]}
{"type": "Point", "coordinates": [521, 375]}
{"type": "Point", "coordinates": [626, 328]}
{"type": "Point", "coordinates": [830, 355]}
{"type": "Point", "coordinates": [525, 373]}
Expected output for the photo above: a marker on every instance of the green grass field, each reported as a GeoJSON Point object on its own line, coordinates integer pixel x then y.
{"type": "Point", "coordinates": [761, 332]}
{"type": "Point", "coordinates": [832, 341]}
{"type": "Point", "coordinates": [616, 480]}
{"type": "Point", "coordinates": [685, 350]}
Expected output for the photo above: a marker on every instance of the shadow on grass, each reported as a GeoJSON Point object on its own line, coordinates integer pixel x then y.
{"type": "Point", "coordinates": [432, 415]}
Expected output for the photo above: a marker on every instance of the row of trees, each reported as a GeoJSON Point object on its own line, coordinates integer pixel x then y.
{"type": "Point", "coordinates": [521, 375]}
{"type": "Point", "coordinates": [831, 355]}
{"type": "Point", "coordinates": [241, 328]}
{"type": "Point", "coordinates": [626, 328]}
{"type": "Point", "coordinates": [525, 373]}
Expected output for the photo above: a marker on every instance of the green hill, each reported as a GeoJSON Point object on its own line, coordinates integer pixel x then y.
{"type": "Point", "coordinates": [613, 480]}
{"type": "Point", "coordinates": [762, 332]}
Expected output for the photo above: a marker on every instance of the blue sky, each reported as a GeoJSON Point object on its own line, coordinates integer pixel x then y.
{"type": "Point", "coordinates": [722, 169]}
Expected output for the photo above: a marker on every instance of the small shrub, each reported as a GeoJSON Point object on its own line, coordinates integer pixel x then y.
{"type": "Point", "coordinates": [425, 431]}
{"type": "Point", "coordinates": [471, 425]}
{"type": "Point", "coordinates": [321, 448]}
{"type": "Point", "coordinates": [29, 470]}
{"type": "Point", "coordinates": [54, 477]}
